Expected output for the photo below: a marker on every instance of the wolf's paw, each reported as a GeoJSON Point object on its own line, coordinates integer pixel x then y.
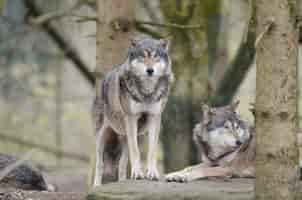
{"type": "Point", "coordinates": [152, 175]}
{"type": "Point", "coordinates": [137, 173]}
{"type": "Point", "coordinates": [97, 182]}
{"type": "Point", "coordinates": [180, 177]}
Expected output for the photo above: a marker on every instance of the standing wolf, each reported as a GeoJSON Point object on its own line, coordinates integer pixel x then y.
{"type": "Point", "coordinates": [130, 102]}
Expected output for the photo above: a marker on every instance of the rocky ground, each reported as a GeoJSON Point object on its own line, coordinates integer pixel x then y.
{"type": "Point", "coordinates": [235, 189]}
{"type": "Point", "coordinates": [30, 195]}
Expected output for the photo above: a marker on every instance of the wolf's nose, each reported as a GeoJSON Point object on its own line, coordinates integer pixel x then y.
{"type": "Point", "coordinates": [150, 71]}
{"type": "Point", "coordinates": [238, 143]}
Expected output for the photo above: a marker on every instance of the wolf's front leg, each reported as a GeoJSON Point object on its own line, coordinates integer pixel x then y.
{"type": "Point", "coordinates": [154, 129]}
{"type": "Point", "coordinates": [131, 132]}
{"type": "Point", "coordinates": [197, 172]}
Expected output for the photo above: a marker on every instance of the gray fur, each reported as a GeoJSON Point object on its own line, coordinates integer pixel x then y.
{"type": "Point", "coordinates": [129, 103]}
{"type": "Point", "coordinates": [220, 136]}
{"type": "Point", "coordinates": [216, 137]}
{"type": "Point", "coordinates": [25, 176]}
{"type": "Point", "coordinates": [151, 93]}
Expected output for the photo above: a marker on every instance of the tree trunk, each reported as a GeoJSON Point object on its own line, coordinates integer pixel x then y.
{"type": "Point", "coordinates": [276, 100]}
{"type": "Point", "coordinates": [190, 66]}
{"type": "Point", "coordinates": [113, 39]}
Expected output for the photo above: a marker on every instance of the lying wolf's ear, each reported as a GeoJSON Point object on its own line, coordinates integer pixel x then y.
{"type": "Point", "coordinates": [206, 114]}
{"type": "Point", "coordinates": [235, 105]}
{"type": "Point", "coordinates": [165, 43]}
{"type": "Point", "coordinates": [252, 109]}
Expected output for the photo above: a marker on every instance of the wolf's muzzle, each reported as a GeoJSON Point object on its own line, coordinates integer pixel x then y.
{"type": "Point", "coordinates": [150, 71]}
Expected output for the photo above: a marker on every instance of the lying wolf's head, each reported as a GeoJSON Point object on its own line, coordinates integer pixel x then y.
{"type": "Point", "coordinates": [221, 131]}
{"type": "Point", "coordinates": [149, 57]}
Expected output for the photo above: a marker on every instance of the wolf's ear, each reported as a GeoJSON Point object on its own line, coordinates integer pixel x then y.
{"type": "Point", "coordinates": [252, 109]}
{"type": "Point", "coordinates": [206, 114]}
{"type": "Point", "coordinates": [165, 43]}
{"type": "Point", "coordinates": [235, 105]}
{"type": "Point", "coordinates": [134, 42]}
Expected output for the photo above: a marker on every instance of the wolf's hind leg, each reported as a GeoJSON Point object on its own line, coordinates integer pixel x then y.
{"type": "Point", "coordinates": [100, 146]}
{"type": "Point", "coordinates": [123, 162]}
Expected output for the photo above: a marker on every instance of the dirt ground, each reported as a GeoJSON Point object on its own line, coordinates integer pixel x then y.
{"type": "Point", "coordinates": [68, 180]}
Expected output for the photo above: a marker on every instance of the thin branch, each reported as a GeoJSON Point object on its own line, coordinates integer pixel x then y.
{"type": "Point", "coordinates": [169, 25]}
{"type": "Point", "coordinates": [84, 18]}
{"type": "Point", "coordinates": [56, 14]}
{"type": "Point", "coordinates": [148, 31]}
{"type": "Point", "coordinates": [268, 25]}
{"type": "Point", "coordinates": [66, 47]}
{"type": "Point", "coordinates": [49, 16]}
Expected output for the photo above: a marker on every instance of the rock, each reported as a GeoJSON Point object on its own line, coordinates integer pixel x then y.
{"type": "Point", "coordinates": [235, 189]}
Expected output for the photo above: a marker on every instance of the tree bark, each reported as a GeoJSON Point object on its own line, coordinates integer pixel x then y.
{"type": "Point", "coordinates": [276, 100]}
{"type": "Point", "coordinates": [113, 40]}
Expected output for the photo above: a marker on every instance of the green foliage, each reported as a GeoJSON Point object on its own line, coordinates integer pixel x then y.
{"type": "Point", "coordinates": [178, 12]}
{"type": "Point", "coordinates": [2, 4]}
{"type": "Point", "coordinates": [294, 8]}
{"type": "Point", "coordinates": [211, 8]}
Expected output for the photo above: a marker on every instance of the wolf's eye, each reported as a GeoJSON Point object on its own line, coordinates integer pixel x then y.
{"type": "Point", "coordinates": [156, 58]}
{"type": "Point", "coordinates": [140, 59]}
{"type": "Point", "coordinates": [161, 54]}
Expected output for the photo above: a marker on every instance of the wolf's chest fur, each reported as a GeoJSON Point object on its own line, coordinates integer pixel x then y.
{"type": "Point", "coordinates": [144, 89]}
{"type": "Point", "coordinates": [126, 94]}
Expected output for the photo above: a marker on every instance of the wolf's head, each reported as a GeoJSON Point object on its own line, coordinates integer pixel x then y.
{"type": "Point", "coordinates": [223, 130]}
{"type": "Point", "coordinates": [149, 57]}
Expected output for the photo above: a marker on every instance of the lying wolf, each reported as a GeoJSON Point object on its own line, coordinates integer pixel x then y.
{"type": "Point", "coordinates": [226, 146]}
{"type": "Point", "coordinates": [25, 176]}
{"type": "Point", "coordinates": [130, 101]}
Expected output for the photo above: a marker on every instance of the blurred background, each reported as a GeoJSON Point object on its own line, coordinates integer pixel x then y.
{"type": "Point", "coordinates": [47, 69]}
